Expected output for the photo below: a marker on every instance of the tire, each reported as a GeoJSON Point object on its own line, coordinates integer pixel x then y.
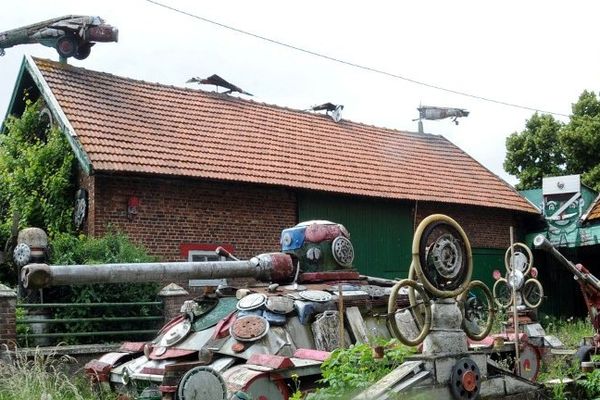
{"type": "Point", "coordinates": [67, 46]}
{"type": "Point", "coordinates": [83, 51]}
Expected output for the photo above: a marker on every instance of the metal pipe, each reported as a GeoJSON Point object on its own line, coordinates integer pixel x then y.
{"type": "Point", "coordinates": [540, 242]}
{"type": "Point", "coordinates": [275, 267]}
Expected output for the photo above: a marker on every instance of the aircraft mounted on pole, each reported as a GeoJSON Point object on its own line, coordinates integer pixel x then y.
{"type": "Point", "coordinates": [70, 35]}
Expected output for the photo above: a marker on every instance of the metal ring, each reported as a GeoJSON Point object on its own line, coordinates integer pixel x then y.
{"type": "Point", "coordinates": [392, 309]}
{"type": "Point", "coordinates": [416, 256]}
{"type": "Point", "coordinates": [495, 290]}
{"type": "Point", "coordinates": [490, 305]}
{"type": "Point", "coordinates": [528, 252]}
{"type": "Point", "coordinates": [535, 285]}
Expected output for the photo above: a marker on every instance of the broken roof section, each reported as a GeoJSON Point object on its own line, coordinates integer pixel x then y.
{"type": "Point", "coordinates": [123, 125]}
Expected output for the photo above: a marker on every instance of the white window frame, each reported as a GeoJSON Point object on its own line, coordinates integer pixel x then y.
{"type": "Point", "coordinates": [211, 256]}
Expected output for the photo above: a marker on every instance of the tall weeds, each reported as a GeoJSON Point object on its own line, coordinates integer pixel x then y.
{"type": "Point", "coordinates": [41, 377]}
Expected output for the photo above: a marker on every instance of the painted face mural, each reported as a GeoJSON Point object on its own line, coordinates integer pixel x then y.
{"type": "Point", "coordinates": [562, 215]}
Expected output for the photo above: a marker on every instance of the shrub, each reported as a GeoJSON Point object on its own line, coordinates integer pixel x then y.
{"type": "Point", "coordinates": [114, 247]}
{"type": "Point", "coordinates": [351, 370]}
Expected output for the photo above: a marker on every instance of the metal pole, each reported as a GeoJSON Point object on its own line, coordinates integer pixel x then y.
{"type": "Point", "coordinates": [514, 301]}
{"type": "Point", "coordinates": [341, 312]}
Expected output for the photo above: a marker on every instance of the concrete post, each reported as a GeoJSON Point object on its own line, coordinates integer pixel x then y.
{"type": "Point", "coordinates": [173, 297]}
{"type": "Point", "coordinates": [8, 321]}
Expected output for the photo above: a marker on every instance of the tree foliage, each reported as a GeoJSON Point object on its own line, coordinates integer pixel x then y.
{"type": "Point", "coordinates": [547, 147]}
{"type": "Point", "coordinates": [36, 174]}
{"type": "Point", "coordinates": [535, 152]}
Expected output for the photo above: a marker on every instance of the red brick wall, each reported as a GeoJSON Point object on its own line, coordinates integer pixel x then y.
{"type": "Point", "coordinates": [175, 211]}
{"type": "Point", "coordinates": [485, 227]}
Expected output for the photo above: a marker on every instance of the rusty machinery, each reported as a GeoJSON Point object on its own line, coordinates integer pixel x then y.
{"type": "Point", "coordinates": [520, 288]}
{"type": "Point", "coordinates": [248, 339]}
{"type": "Point", "coordinates": [446, 307]}
{"type": "Point", "coordinates": [254, 339]}
{"type": "Point", "coordinates": [590, 288]}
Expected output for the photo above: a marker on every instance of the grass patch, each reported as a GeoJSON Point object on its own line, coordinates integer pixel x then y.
{"type": "Point", "coordinates": [44, 377]}
{"type": "Point", "coordinates": [570, 331]}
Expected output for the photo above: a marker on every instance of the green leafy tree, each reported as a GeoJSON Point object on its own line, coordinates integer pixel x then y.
{"type": "Point", "coordinates": [547, 147]}
{"type": "Point", "coordinates": [535, 152]}
{"type": "Point", "coordinates": [580, 139]}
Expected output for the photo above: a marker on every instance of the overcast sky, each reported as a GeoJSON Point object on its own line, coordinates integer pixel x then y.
{"type": "Point", "coordinates": [539, 54]}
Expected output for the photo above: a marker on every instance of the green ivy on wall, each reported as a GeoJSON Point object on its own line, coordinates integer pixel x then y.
{"type": "Point", "coordinates": [37, 172]}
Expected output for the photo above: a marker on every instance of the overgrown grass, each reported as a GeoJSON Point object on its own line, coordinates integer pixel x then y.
{"type": "Point", "coordinates": [44, 377]}
{"type": "Point", "coordinates": [570, 331]}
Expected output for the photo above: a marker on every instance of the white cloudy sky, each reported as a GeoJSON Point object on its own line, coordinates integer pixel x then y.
{"type": "Point", "coordinates": [540, 54]}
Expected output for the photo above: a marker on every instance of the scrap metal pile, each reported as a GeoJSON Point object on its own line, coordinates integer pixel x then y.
{"type": "Point", "coordinates": [248, 340]}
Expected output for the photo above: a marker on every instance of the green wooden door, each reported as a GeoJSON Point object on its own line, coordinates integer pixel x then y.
{"type": "Point", "coordinates": [381, 231]}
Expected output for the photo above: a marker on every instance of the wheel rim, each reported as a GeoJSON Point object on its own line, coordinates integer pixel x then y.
{"type": "Point", "coordinates": [478, 311]}
{"type": "Point", "coordinates": [442, 256]}
{"type": "Point", "coordinates": [393, 310]}
{"type": "Point", "coordinates": [533, 293]}
{"type": "Point", "coordinates": [521, 252]}
{"type": "Point", "coordinates": [502, 293]}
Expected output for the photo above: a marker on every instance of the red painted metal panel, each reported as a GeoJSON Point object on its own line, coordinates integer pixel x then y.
{"type": "Point", "coordinates": [270, 360]}
{"type": "Point", "coordinates": [311, 354]}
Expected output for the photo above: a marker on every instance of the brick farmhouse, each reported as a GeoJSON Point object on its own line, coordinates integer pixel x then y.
{"type": "Point", "coordinates": [182, 171]}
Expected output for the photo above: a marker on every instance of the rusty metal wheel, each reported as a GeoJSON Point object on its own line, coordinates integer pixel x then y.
{"type": "Point", "coordinates": [465, 380]}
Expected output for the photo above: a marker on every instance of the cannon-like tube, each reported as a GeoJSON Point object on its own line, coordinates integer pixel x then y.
{"type": "Point", "coordinates": [273, 267]}
{"type": "Point", "coordinates": [540, 242]}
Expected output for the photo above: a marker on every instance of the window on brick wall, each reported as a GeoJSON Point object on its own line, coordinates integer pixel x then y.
{"type": "Point", "coordinates": [200, 252]}
{"type": "Point", "coordinates": [201, 255]}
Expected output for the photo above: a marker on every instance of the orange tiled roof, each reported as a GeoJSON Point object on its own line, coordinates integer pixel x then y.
{"type": "Point", "coordinates": [133, 126]}
{"type": "Point", "coordinates": [594, 213]}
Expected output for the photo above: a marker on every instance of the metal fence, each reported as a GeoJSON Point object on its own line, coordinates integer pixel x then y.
{"type": "Point", "coordinates": [46, 324]}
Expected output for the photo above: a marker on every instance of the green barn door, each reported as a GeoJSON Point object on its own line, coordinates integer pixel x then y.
{"type": "Point", "coordinates": [381, 231]}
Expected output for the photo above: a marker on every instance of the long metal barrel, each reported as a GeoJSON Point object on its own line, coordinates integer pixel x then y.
{"type": "Point", "coordinates": [274, 267]}
{"type": "Point", "coordinates": [540, 242]}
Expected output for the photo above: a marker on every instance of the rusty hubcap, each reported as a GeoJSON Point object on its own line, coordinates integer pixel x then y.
{"type": "Point", "coordinates": [468, 381]}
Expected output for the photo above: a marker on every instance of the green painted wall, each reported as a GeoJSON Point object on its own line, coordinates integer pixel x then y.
{"type": "Point", "coordinates": [381, 231]}
{"type": "Point", "coordinates": [485, 261]}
